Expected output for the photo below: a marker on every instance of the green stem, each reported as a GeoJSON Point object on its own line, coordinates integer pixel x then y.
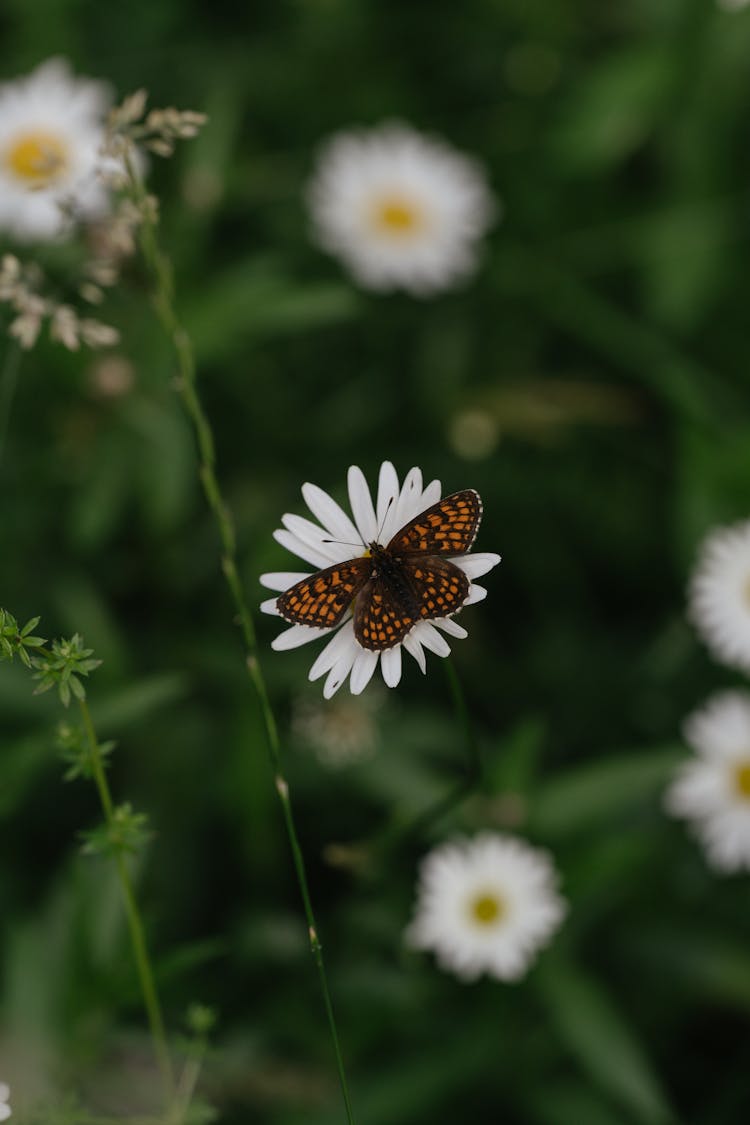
{"type": "Point", "coordinates": [475, 770]}
{"type": "Point", "coordinates": [8, 383]}
{"type": "Point", "coordinates": [160, 268]}
{"type": "Point", "coordinates": [473, 774]}
{"type": "Point", "coordinates": [135, 925]}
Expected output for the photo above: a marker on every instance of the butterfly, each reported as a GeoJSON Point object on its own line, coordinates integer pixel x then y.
{"type": "Point", "coordinates": [394, 587]}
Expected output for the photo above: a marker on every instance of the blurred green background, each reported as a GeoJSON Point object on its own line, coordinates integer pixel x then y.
{"type": "Point", "coordinates": [590, 382]}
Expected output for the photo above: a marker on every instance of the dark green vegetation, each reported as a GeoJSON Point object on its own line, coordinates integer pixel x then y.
{"type": "Point", "coordinates": [604, 343]}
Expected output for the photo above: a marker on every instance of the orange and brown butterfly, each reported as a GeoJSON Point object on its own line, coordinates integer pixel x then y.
{"type": "Point", "coordinates": [394, 586]}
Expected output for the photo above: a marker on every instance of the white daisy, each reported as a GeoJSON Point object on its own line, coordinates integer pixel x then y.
{"type": "Point", "coordinates": [4, 1098]}
{"type": "Point", "coordinates": [486, 905]}
{"type": "Point", "coordinates": [713, 789]}
{"type": "Point", "coordinates": [51, 129]}
{"type": "Point", "coordinates": [401, 209]}
{"type": "Point", "coordinates": [719, 596]}
{"type": "Point", "coordinates": [332, 540]}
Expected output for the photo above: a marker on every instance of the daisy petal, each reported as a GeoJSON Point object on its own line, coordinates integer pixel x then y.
{"type": "Point", "coordinates": [450, 626]}
{"type": "Point", "coordinates": [410, 500]}
{"type": "Point", "coordinates": [476, 594]}
{"type": "Point", "coordinates": [269, 606]}
{"type": "Point", "coordinates": [361, 503]}
{"type": "Point", "coordinates": [296, 636]}
{"type": "Point", "coordinates": [414, 648]}
{"type": "Point", "coordinates": [333, 518]}
{"type": "Point", "coordinates": [333, 651]}
{"type": "Point", "coordinates": [390, 666]}
{"type": "Point", "coordinates": [340, 671]}
{"type": "Point", "coordinates": [365, 664]}
{"type": "Point", "coordinates": [432, 494]}
{"type": "Point", "coordinates": [388, 492]}
{"type": "Point", "coordinates": [282, 579]}
{"type": "Point", "coordinates": [474, 566]}
{"type": "Point", "coordinates": [310, 554]}
{"type": "Point", "coordinates": [311, 535]}
{"type": "Point", "coordinates": [431, 639]}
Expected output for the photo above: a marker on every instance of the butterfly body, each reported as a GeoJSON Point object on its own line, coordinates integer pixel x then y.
{"type": "Point", "coordinates": [394, 587]}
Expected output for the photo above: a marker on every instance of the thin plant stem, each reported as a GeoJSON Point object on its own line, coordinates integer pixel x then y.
{"type": "Point", "coordinates": [160, 268]}
{"type": "Point", "coordinates": [8, 384]}
{"type": "Point", "coordinates": [473, 775]}
{"type": "Point", "coordinates": [135, 925]}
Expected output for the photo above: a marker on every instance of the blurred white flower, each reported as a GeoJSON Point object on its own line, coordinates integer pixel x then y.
{"type": "Point", "coordinates": [335, 539]}
{"type": "Point", "coordinates": [51, 130]}
{"type": "Point", "coordinates": [732, 5]}
{"type": "Point", "coordinates": [712, 790]}
{"type": "Point", "coordinates": [401, 209]}
{"type": "Point", "coordinates": [486, 905]}
{"type": "Point", "coordinates": [4, 1099]}
{"type": "Point", "coordinates": [719, 595]}
{"type": "Point", "coordinates": [341, 733]}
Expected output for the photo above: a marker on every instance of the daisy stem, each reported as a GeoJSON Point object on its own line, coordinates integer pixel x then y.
{"type": "Point", "coordinates": [475, 767]}
{"type": "Point", "coordinates": [135, 924]}
{"type": "Point", "coordinates": [160, 267]}
{"type": "Point", "coordinates": [473, 775]}
{"type": "Point", "coordinates": [8, 383]}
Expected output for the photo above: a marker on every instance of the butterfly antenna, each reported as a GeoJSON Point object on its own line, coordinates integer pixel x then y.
{"type": "Point", "coordinates": [344, 543]}
{"type": "Point", "coordinates": [391, 501]}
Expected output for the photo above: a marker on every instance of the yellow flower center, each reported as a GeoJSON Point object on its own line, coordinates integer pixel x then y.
{"type": "Point", "coordinates": [37, 157]}
{"type": "Point", "coordinates": [487, 909]}
{"type": "Point", "coordinates": [742, 780]}
{"type": "Point", "coordinates": [398, 216]}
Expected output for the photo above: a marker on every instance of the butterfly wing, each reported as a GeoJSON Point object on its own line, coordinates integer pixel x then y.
{"type": "Point", "coordinates": [323, 599]}
{"type": "Point", "coordinates": [380, 620]}
{"type": "Point", "coordinates": [437, 588]}
{"type": "Point", "coordinates": [440, 587]}
{"type": "Point", "coordinates": [447, 528]}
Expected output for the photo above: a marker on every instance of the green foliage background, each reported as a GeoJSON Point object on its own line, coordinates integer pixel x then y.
{"type": "Point", "coordinates": [604, 342]}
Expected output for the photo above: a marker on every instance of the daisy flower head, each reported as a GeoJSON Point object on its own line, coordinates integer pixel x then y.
{"type": "Point", "coordinates": [712, 790]}
{"type": "Point", "coordinates": [51, 131]}
{"type": "Point", "coordinates": [402, 210]}
{"type": "Point", "coordinates": [386, 580]}
{"type": "Point", "coordinates": [719, 594]}
{"type": "Point", "coordinates": [486, 905]}
{"type": "Point", "coordinates": [5, 1112]}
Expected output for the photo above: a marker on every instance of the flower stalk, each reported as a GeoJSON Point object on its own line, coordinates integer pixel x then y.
{"type": "Point", "coordinates": [132, 913]}
{"type": "Point", "coordinates": [64, 665]}
{"type": "Point", "coordinates": [159, 267]}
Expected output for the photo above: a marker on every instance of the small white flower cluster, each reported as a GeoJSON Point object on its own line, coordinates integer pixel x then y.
{"type": "Point", "coordinates": [61, 157]}
{"type": "Point", "coordinates": [19, 289]}
{"type": "Point", "coordinates": [5, 1111]}
{"type": "Point", "coordinates": [712, 790]}
{"type": "Point", "coordinates": [157, 131]}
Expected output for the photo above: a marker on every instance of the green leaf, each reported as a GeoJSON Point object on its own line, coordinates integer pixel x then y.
{"type": "Point", "coordinates": [137, 701]}
{"type": "Point", "coordinates": [591, 794]}
{"type": "Point", "coordinates": [255, 300]}
{"type": "Point", "coordinates": [589, 1024]}
{"type": "Point", "coordinates": [615, 107]}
